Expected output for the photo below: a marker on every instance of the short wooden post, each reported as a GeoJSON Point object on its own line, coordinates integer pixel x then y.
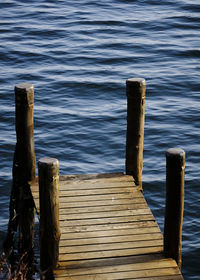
{"type": "Point", "coordinates": [175, 168]}
{"type": "Point", "coordinates": [49, 213]}
{"type": "Point", "coordinates": [135, 91]}
{"type": "Point", "coordinates": [21, 203]}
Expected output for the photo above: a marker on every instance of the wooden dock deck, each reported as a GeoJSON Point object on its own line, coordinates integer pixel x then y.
{"type": "Point", "coordinates": [108, 231]}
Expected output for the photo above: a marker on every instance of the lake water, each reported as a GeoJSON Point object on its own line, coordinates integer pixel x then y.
{"type": "Point", "coordinates": [78, 54]}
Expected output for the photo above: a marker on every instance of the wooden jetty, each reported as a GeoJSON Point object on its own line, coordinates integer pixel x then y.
{"type": "Point", "coordinates": [99, 227]}
{"type": "Point", "coordinates": [108, 231]}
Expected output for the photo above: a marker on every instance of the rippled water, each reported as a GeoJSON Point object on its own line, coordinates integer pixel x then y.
{"type": "Point", "coordinates": [78, 55]}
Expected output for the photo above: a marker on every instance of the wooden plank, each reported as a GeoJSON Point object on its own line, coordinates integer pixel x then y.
{"type": "Point", "coordinates": [70, 193]}
{"type": "Point", "coordinates": [98, 197]}
{"type": "Point", "coordinates": [87, 185]}
{"type": "Point", "coordinates": [97, 177]}
{"type": "Point", "coordinates": [166, 277]}
{"type": "Point", "coordinates": [125, 219]}
{"type": "Point", "coordinates": [145, 274]}
{"type": "Point", "coordinates": [105, 214]}
{"type": "Point", "coordinates": [98, 191]}
{"type": "Point", "coordinates": [63, 186]}
{"type": "Point", "coordinates": [117, 176]}
{"type": "Point", "coordinates": [156, 264]}
{"type": "Point", "coordinates": [78, 233]}
{"type": "Point", "coordinates": [64, 257]}
{"type": "Point", "coordinates": [92, 209]}
{"type": "Point", "coordinates": [114, 201]}
{"type": "Point", "coordinates": [124, 260]}
{"type": "Point", "coordinates": [109, 239]}
{"type": "Point", "coordinates": [133, 263]}
{"type": "Point", "coordinates": [95, 203]}
{"type": "Point", "coordinates": [115, 226]}
{"type": "Point", "coordinates": [95, 206]}
{"type": "Point", "coordinates": [66, 187]}
{"type": "Point", "coordinates": [70, 182]}
{"type": "Point", "coordinates": [110, 246]}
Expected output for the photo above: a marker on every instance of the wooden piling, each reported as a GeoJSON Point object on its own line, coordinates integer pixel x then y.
{"type": "Point", "coordinates": [175, 168]}
{"type": "Point", "coordinates": [135, 91]}
{"type": "Point", "coordinates": [24, 163]}
{"type": "Point", "coordinates": [21, 202]}
{"type": "Point", "coordinates": [24, 101]}
{"type": "Point", "coordinates": [49, 214]}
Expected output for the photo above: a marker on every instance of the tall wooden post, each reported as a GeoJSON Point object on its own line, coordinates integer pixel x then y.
{"type": "Point", "coordinates": [24, 101]}
{"type": "Point", "coordinates": [49, 214]}
{"type": "Point", "coordinates": [24, 163]}
{"type": "Point", "coordinates": [175, 168]}
{"type": "Point", "coordinates": [135, 91]}
{"type": "Point", "coordinates": [21, 202]}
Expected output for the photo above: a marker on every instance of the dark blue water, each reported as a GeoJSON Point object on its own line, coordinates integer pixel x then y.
{"type": "Point", "coordinates": [78, 54]}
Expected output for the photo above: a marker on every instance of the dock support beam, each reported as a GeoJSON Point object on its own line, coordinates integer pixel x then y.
{"type": "Point", "coordinates": [175, 169]}
{"type": "Point", "coordinates": [49, 214]}
{"type": "Point", "coordinates": [135, 91]}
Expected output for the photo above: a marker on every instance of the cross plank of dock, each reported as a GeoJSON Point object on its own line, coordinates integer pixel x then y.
{"type": "Point", "coordinates": [108, 231]}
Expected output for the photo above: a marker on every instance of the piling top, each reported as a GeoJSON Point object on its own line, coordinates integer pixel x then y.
{"type": "Point", "coordinates": [23, 86]}
{"type": "Point", "coordinates": [46, 161]}
{"type": "Point", "coordinates": [139, 81]}
{"type": "Point", "coordinates": [24, 94]}
{"type": "Point", "coordinates": [135, 88]}
{"type": "Point", "coordinates": [175, 152]}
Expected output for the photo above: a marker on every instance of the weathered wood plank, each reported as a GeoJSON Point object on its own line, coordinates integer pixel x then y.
{"type": "Point", "coordinates": [98, 197]}
{"type": "Point", "coordinates": [156, 264]}
{"type": "Point", "coordinates": [124, 260]}
{"type": "Point", "coordinates": [114, 226]}
{"type": "Point", "coordinates": [96, 209]}
{"type": "Point", "coordinates": [133, 263]}
{"type": "Point", "coordinates": [119, 186]}
{"type": "Point", "coordinates": [82, 234]}
{"type": "Point", "coordinates": [111, 220]}
{"type": "Point", "coordinates": [105, 214]}
{"type": "Point", "coordinates": [102, 191]}
{"type": "Point", "coordinates": [110, 254]}
{"type": "Point", "coordinates": [114, 243]}
{"type": "Point", "coordinates": [73, 182]}
{"type": "Point", "coordinates": [103, 203]}
{"type": "Point", "coordinates": [71, 241]}
{"type": "Point", "coordinates": [87, 185]}
{"type": "Point", "coordinates": [159, 274]}
{"type": "Point", "coordinates": [80, 248]}
{"type": "Point", "coordinates": [97, 177]}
